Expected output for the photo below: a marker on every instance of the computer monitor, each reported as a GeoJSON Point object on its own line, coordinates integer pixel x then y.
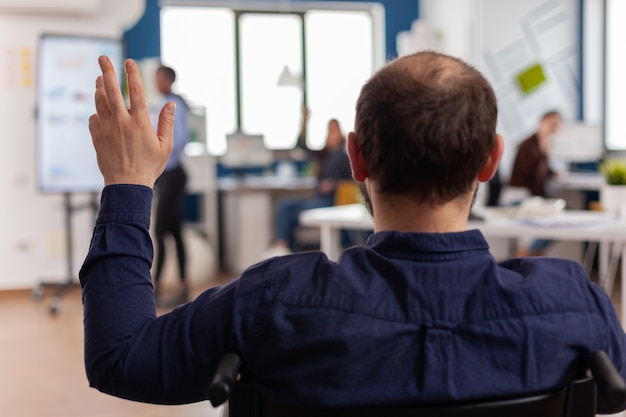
{"type": "Point", "coordinates": [577, 142]}
{"type": "Point", "coordinates": [245, 151]}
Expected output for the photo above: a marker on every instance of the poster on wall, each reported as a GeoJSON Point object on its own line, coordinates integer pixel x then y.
{"type": "Point", "coordinates": [67, 70]}
{"type": "Point", "coordinates": [530, 54]}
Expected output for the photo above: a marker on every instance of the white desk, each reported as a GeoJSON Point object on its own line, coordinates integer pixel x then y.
{"type": "Point", "coordinates": [579, 181]}
{"type": "Point", "coordinates": [266, 183]}
{"type": "Point", "coordinates": [569, 225]}
{"type": "Point", "coordinates": [247, 211]}
{"type": "Point", "coordinates": [574, 187]}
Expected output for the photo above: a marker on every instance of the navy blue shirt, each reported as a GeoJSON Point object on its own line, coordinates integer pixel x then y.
{"type": "Point", "coordinates": [410, 318]}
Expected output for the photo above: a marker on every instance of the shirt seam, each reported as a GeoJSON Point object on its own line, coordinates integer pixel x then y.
{"type": "Point", "coordinates": [264, 306]}
{"type": "Point", "coordinates": [431, 256]}
{"type": "Point", "coordinates": [464, 323]}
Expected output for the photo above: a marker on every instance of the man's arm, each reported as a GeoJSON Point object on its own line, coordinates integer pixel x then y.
{"type": "Point", "coordinates": [129, 352]}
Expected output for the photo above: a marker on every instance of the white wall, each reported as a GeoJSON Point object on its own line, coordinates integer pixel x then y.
{"type": "Point", "coordinates": [32, 226]}
{"type": "Point", "coordinates": [455, 21]}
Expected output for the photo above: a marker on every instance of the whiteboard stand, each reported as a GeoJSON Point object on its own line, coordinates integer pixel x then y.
{"type": "Point", "coordinates": [70, 281]}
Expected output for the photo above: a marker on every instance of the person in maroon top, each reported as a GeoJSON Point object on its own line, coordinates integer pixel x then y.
{"type": "Point", "coordinates": [331, 166]}
{"type": "Point", "coordinates": [530, 168]}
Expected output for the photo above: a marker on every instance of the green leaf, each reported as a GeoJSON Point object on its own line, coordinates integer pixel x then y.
{"type": "Point", "coordinates": [614, 171]}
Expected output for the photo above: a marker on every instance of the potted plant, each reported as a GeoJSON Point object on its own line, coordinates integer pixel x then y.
{"type": "Point", "coordinates": [613, 192]}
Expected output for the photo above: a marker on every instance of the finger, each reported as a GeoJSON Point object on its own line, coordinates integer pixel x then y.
{"type": "Point", "coordinates": [135, 87]}
{"type": "Point", "coordinates": [102, 104]}
{"type": "Point", "coordinates": [94, 124]}
{"type": "Point", "coordinates": [165, 126]}
{"type": "Point", "coordinates": [111, 86]}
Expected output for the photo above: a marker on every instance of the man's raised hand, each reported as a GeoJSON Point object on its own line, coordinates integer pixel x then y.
{"type": "Point", "coordinates": [128, 150]}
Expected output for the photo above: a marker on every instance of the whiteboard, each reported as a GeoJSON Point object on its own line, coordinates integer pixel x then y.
{"type": "Point", "coordinates": [67, 70]}
{"type": "Point", "coordinates": [516, 37]}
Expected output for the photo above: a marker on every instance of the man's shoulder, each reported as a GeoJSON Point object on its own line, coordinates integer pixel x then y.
{"type": "Point", "coordinates": [304, 271]}
{"type": "Point", "coordinates": [547, 272]}
{"type": "Point", "coordinates": [541, 263]}
{"type": "Point", "coordinates": [304, 262]}
{"type": "Point", "coordinates": [286, 274]}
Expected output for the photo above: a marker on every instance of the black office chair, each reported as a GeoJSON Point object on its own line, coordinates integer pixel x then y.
{"type": "Point", "coordinates": [578, 399]}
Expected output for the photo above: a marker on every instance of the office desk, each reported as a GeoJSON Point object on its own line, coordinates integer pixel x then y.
{"type": "Point", "coordinates": [579, 181]}
{"type": "Point", "coordinates": [266, 183]}
{"type": "Point", "coordinates": [246, 210]}
{"type": "Point", "coordinates": [577, 188]}
{"type": "Point", "coordinates": [584, 226]}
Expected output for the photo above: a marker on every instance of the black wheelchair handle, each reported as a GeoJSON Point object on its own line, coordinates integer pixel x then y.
{"type": "Point", "coordinates": [224, 379]}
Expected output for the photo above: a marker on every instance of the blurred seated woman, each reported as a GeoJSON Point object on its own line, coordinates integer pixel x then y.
{"type": "Point", "coordinates": [331, 166]}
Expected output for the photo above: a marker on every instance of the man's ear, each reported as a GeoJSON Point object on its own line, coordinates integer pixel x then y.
{"type": "Point", "coordinates": [357, 162]}
{"type": "Point", "coordinates": [491, 164]}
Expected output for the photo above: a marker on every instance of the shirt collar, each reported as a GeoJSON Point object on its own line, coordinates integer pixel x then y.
{"type": "Point", "coordinates": [468, 241]}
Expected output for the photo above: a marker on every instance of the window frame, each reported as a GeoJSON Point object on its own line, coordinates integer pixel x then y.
{"type": "Point", "coordinates": [299, 8]}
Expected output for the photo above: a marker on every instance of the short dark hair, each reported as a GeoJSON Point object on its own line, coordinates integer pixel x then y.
{"type": "Point", "coordinates": [425, 124]}
{"type": "Point", "coordinates": [169, 73]}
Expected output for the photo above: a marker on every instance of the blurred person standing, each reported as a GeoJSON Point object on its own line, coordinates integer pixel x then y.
{"type": "Point", "coordinates": [170, 192]}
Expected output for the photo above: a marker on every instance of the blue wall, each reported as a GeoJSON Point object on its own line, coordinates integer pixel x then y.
{"type": "Point", "coordinates": [144, 39]}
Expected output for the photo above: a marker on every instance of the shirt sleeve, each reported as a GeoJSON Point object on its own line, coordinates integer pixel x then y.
{"type": "Point", "coordinates": [129, 351]}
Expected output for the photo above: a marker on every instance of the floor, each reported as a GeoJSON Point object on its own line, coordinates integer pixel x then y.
{"type": "Point", "coordinates": [41, 366]}
{"type": "Point", "coordinates": [41, 354]}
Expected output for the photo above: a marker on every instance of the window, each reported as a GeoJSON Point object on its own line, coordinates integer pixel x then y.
{"type": "Point", "coordinates": [199, 44]}
{"type": "Point", "coordinates": [615, 82]}
{"type": "Point", "coordinates": [230, 62]}
{"type": "Point", "coordinates": [269, 42]}
{"type": "Point", "coordinates": [339, 61]}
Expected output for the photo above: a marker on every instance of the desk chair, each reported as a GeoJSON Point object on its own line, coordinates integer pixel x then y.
{"type": "Point", "coordinates": [347, 192]}
{"type": "Point", "coordinates": [578, 399]}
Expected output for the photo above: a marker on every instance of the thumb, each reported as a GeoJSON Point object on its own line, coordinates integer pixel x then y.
{"type": "Point", "coordinates": [165, 126]}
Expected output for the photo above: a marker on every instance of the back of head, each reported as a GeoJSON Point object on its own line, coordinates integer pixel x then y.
{"type": "Point", "coordinates": [168, 73]}
{"type": "Point", "coordinates": [165, 77]}
{"type": "Point", "coordinates": [550, 123]}
{"type": "Point", "coordinates": [425, 124]}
